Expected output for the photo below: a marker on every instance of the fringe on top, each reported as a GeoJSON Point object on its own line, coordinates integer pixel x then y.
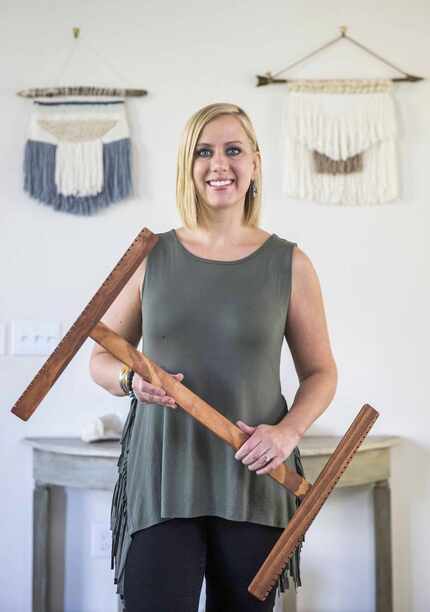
{"type": "Point", "coordinates": [292, 568]}
{"type": "Point", "coordinates": [121, 539]}
{"type": "Point", "coordinates": [120, 536]}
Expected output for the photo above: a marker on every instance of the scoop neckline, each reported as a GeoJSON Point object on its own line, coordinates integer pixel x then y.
{"type": "Point", "coordinates": [221, 261]}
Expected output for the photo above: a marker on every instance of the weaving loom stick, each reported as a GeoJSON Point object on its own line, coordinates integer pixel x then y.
{"type": "Point", "coordinates": [311, 503]}
{"type": "Point", "coordinates": [79, 331]}
{"type": "Point", "coordinates": [194, 405]}
{"type": "Point", "coordinates": [88, 324]}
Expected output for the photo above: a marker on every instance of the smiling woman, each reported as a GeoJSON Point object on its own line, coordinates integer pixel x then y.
{"type": "Point", "coordinates": [214, 176]}
{"type": "Point", "coordinates": [214, 301]}
{"type": "Point", "coordinates": [219, 143]}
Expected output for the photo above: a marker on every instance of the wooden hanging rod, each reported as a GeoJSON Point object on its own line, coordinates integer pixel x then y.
{"type": "Point", "coordinates": [84, 90]}
{"type": "Point", "coordinates": [268, 78]}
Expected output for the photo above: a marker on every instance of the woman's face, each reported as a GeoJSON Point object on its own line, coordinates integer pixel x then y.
{"type": "Point", "coordinates": [223, 153]}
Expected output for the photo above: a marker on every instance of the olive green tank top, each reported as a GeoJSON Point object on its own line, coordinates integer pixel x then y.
{"type": "Point", "coordinates": [222, 324]}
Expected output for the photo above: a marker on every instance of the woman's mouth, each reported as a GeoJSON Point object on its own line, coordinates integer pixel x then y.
{"type": "Point", "coordinates": [220, 185]}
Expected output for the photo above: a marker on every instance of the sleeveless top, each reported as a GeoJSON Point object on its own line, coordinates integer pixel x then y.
{"type": "Point", "coordinates": [222, 324]}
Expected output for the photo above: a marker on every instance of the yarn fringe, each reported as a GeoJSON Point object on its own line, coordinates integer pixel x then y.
{"type": "Point", "coordinates": [119, 518]}
{"type": "Point", "coordinates": [40, 177]}
{"type": "Point", "coordinates": [340, 126]}
{"type": "Point", "coordinates": [340, 149]}
{"type": "Point", "coordinates": [292, 569]}
{"type": "Point", "coordinates": [118, 522]}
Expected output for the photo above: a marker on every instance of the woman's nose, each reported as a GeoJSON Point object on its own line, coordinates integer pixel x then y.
{"type": "Point", "coordinates": [219, 160]}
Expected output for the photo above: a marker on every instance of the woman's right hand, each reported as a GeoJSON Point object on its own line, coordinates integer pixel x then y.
{"type": "Point", "coordinates": [149, 394]}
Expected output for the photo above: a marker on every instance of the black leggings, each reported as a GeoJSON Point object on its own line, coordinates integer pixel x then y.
{"type": "Point", "coordinates": [166, 563]}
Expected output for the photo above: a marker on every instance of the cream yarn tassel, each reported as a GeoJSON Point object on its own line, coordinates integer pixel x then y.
{"type": "Point", "coordinates": [340, 142]}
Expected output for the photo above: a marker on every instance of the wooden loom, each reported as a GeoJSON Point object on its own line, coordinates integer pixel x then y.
{"type": "Point", "coordinates": [88, 324]}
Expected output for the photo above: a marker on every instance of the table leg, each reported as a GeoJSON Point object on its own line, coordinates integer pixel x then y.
{"type": "Point", "coordinates": [383, 567]}
{"type": "Point", "coordinates": [290, 599]}
{"type": "Point", "coordinates": [40, 547]}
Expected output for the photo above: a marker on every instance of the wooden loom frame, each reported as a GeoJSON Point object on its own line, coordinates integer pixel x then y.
{"type": "Point", "coordinates": [88, 324]}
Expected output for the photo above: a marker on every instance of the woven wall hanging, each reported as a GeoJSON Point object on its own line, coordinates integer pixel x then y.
{"type": "Point", "coordinates": [340, 142]}
{"type": "Point", "coordinates": [340, 137]}
{"type": "Point", "coordinates": [78, 152]}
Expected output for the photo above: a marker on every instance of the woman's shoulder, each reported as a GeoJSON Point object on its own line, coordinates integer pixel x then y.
{"type": "Point", "coordinates": [161, 246]}
{"type": "Point", "coordinates": [300, 261]}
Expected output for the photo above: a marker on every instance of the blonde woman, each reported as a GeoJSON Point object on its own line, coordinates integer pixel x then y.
{"type": "Point", "coordinates": [213, 301]}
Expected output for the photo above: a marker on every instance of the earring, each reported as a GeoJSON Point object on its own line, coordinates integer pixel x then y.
{"type": "Point", "coordinates": [253, 188]}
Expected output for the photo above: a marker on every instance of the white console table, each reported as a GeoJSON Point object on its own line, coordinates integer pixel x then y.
{"type": "Point", "coordinates": [69, 462]}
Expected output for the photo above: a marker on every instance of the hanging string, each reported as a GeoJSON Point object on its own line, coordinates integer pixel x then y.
{"type": "Point", "coordinates": [303, 59]}
{"type": "Point", "coordinates": [122, 77]}
{"type": "Point", "coordinates": [63, 68]}
{"type": "Point", "coordinates": [60, 77]}
{"type": "Point", "coordinates": [332, 42]}
{"type": "Point", "coordinates": [355, 42]}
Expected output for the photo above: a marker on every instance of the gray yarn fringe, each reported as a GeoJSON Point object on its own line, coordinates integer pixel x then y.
{"type": "Point", "coordinates": [118, 519]}
{"type": "Point", "coordinates": [119, 516]}
{"type": "Point", "coordinates": [293, 566]}
{"type": "Point", "coordinates": [39, 177]}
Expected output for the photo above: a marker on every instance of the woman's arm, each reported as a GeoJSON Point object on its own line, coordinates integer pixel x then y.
{"type": "Point", "coordinates": [308, 339]}
{"type": "Point", "coordinates": [124, 317]}
{"type": "Point", "coordinates": [307, 336]}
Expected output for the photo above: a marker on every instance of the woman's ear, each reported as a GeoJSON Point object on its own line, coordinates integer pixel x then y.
{"type": "Point", "coordinates": [256, 163]}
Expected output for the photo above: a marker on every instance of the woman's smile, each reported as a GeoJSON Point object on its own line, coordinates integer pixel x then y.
{"type": "Point", "coordinates": [220, 185]}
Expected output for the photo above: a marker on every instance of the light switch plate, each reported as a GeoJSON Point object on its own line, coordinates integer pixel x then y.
{"type": "Point", "coordinates": [34, 337]}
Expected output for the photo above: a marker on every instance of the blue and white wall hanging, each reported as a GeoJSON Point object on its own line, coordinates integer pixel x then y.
{"type": "Point", "coordinates": [78, 153]}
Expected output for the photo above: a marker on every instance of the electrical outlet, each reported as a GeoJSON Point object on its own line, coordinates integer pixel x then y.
{"type": "Point", "coordinates": [101, 540]}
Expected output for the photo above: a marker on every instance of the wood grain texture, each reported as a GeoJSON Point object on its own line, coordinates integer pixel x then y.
{"type": "Point", "coordinates": [79, 331]}
{"type": "Point", "coordinates": [275, 562]}
{"type": "Point", "coordinates": [88, 324]}
{"type": "Point", "coordinates": [194, 405]}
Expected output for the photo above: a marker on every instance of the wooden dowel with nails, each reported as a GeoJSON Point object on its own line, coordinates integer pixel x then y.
{"type": "Point", "coordinates": [88, 324]}
{"type": "Point", "coordinates": [301, 520]}
{"type": "Point", "coordinates": [27, 403]}
{"type": "Point", "coordinates": [194, 405]}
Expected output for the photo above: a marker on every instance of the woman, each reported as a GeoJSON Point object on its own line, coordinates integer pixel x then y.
{"type": "Point", "coordinates": [213, 300]}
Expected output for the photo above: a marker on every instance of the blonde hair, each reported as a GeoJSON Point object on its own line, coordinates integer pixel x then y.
{"type": "Point", "coordinates": [187, 200]}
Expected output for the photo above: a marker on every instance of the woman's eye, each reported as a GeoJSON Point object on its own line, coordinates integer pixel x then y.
{"type": "Point", "coordinates": [203, 150]}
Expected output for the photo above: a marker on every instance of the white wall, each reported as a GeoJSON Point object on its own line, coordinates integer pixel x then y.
{"type": "Point", "coordinates": [371, 261]}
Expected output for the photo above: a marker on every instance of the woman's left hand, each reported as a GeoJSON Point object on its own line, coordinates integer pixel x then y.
{"type": "Point", "coordinates": [267, 446]}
